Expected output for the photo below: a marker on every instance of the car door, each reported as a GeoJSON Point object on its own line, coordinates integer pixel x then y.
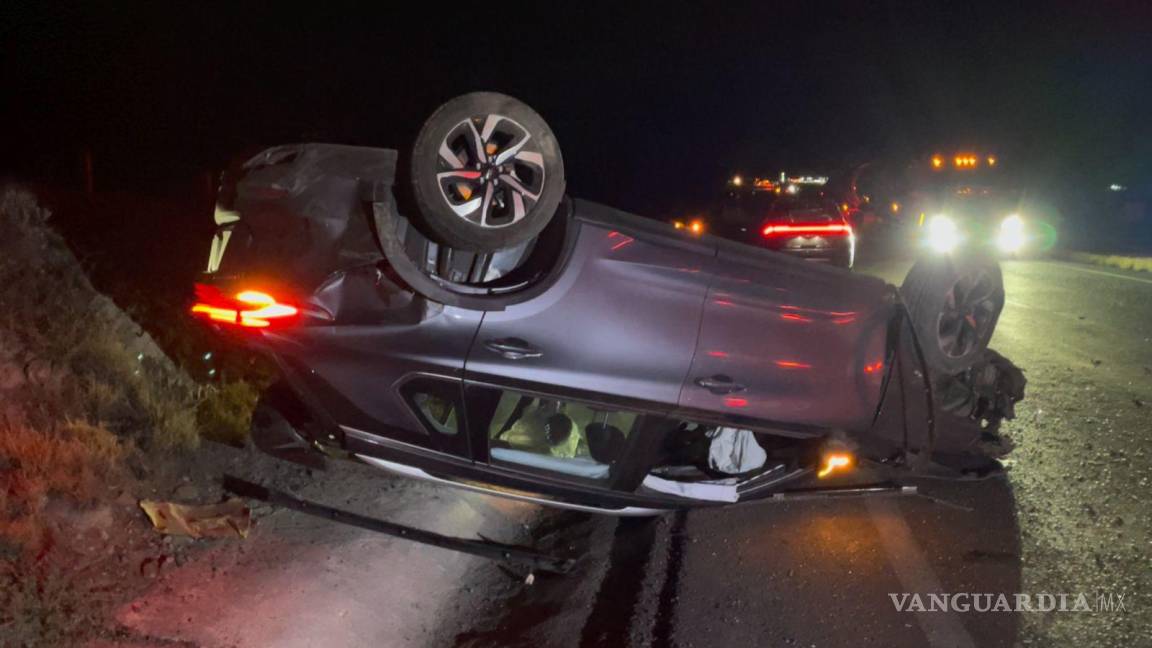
{"type": "Point", "coordinates": [619, 326]}
{"type": "Point", "coordinates": [394, 376]}
{"type": "Point", "coordinates": [787, 343]}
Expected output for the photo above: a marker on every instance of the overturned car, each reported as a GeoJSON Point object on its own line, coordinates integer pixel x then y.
{"type": "Point", "coordinates": [474, 325]}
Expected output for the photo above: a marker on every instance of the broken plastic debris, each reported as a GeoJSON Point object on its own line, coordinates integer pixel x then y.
{"type": "Point", "coordinates": [228, 518]}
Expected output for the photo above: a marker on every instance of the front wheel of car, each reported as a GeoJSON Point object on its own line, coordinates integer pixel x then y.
{"type": "Point", "coordinates": [953, 305]}
{"type": "Point", "coordinates": [487, 173]}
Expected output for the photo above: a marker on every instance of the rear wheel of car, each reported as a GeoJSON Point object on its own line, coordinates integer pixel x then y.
{"type": "Point", "coordinates": [954, 304]}
{"type": "Point", "coordinates": [487, 173]}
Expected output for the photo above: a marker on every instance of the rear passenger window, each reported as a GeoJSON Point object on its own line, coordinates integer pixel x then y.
{"type": "Point", "coordinates": [437, 403]}
{"type": "Point", "coordinates": [557, 436]}
{"type": "Point", "coordinates": [440, 413]}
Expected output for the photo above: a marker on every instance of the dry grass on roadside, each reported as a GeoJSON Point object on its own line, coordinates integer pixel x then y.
{"type": "Point", "coordinates": [82, 388]}
{"type": "Point", "coordinates": [74, 345]}
{"type": "Point", "coordinates": [74, 461]}
{"type": "Point", "coordinates": [225, 412]}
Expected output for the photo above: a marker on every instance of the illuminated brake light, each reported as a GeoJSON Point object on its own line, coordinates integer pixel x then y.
{"type": "Point", "coordinates": [784, 230]}
{"type": "Point", "coordinates": [247, 308]}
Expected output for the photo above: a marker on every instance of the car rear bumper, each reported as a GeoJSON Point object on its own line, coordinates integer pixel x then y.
{"type": "Point", "coordinates": [821, 248]}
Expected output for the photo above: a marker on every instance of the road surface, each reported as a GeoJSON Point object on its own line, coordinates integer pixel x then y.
{"type": "Point", "coordinates": [1071, 517]}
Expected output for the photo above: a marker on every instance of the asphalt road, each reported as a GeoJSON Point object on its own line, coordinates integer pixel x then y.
{"type": "Point", "coordinates": [1072, 517]}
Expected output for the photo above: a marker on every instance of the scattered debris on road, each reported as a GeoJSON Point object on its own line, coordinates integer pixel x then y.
{"type": "Point", "coordinates": [230, 518]}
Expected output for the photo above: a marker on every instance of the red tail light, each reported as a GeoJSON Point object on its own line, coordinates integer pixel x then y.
{"type": "Point", "coordinates": [834, 229]}
{"type": "Point", "coordinates": [246, 308]}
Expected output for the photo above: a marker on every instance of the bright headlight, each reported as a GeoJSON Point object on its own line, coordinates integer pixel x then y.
{"type": "Point", "coordinates": [1011, 237]}
{"type": "Point", "coordinates": [942, 234]}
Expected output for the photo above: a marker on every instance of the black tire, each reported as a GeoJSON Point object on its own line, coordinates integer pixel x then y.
{"type": "Point", "coordinates": [954, 304]}
{"type": "Point", "coordinates": [505, 182]}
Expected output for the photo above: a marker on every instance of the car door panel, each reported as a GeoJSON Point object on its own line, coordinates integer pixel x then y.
{"type": "Point", "coordinates": [356, 371]}
{"type": "Point", "coordinates": [621, 322]}
{"type": "Point", "coordinates": [786, 341]}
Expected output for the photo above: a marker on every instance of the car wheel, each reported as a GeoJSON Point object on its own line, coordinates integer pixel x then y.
{"type": "Point", "coordinates": [953, 305]}
{"type": "Point", "coordinates": [487, 173]}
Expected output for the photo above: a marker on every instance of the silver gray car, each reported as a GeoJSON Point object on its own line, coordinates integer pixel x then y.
{"type": "Point", "coordinates": [505, 337]}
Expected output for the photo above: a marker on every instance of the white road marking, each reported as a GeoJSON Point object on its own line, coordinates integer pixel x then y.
{"type": "Point", "coordinates": [1106, 274]}
{"type": "Point", "coordinates": [943, 629]}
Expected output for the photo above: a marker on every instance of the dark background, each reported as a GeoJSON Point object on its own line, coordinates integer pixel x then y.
{"type": "Point", "coordinates": [654, 104]}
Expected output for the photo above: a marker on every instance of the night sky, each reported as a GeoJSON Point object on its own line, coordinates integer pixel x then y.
{"type": "Point", "coordinates": [654, 104]}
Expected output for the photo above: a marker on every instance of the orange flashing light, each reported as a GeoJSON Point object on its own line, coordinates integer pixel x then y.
{"type": "Point", "coordinates": [696, 226]}
{"type": "Point", "coordinates": [965, 161]}
{"type": "Point", "coordinates": [937, 162]}
{"type": "Point", "coordinates": [835, 462]}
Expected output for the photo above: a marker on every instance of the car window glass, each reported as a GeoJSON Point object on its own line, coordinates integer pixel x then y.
{"type": "Point", "coordinates": [439, 413]}
{"type": "Point", "coordinates": [569, 438]}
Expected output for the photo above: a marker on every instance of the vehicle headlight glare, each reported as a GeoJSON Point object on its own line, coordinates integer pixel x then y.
{"type": "Point", "coordinates": [1011, 237]}
{"type": "Point", "coordinates": [942, 234]}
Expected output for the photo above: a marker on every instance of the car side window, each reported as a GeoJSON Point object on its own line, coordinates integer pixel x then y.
{"type": "Point", "coordinates": [557, 436]}
{"type": "Point", "coordinates": [437, 403]}
{"type": "Point", "coordinates": [439, 412]}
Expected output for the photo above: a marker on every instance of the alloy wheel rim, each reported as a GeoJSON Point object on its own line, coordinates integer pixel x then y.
{"type": "Point", "coordinates": [491, 171]}
{"type": "Point", "coordinates": [967, 315]}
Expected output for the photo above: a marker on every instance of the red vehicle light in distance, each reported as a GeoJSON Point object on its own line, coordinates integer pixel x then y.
{"type": "Point", "coordinates": [247, 308]}
{"type": "Point", "coordinates": [834, 229]}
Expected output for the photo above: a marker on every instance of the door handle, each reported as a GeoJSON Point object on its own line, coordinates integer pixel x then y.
{"type": "Point", "coordinates": [720, 384]}
{"type": "Point", "coordinates": [513, 348]}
